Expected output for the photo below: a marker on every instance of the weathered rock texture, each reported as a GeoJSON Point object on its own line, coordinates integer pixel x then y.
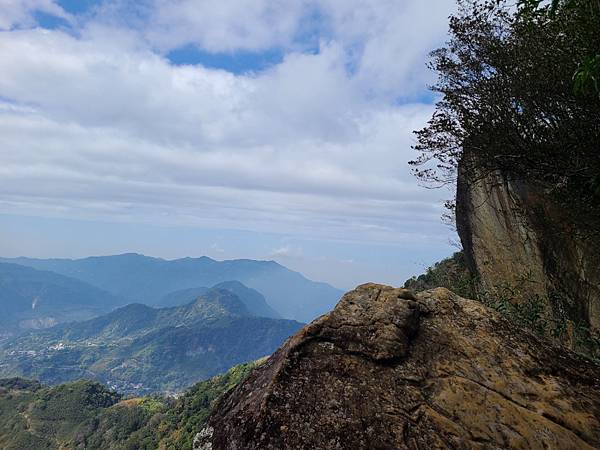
{"type": "Point", "coordinates": [514, 236]}
{"type": "Point", "coordinates": [388, 370]}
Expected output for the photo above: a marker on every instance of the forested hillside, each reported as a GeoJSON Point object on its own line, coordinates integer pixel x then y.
{"type": "Point", "coordinates": [85, 415]}
{"type": "Point", "coordinates": [139, 349]}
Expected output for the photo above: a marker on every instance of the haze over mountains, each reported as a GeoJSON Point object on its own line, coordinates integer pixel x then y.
{"type": "Point", "coordinates": [32, 299]}
{"type": "Point", "coordinates": [140, 349]}
{"type": "Point", "coordinates": [141, 324]}
{"type": "Point", "coordinates": [254, 300]}
{"type": "Point", "coordinates": [147, 280]}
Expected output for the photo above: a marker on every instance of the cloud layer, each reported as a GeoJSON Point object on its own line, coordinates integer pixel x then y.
{"type": "Point", "coordinates": [97, 123]}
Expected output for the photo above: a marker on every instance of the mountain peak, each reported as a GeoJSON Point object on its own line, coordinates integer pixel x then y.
{"type": "Point", "coordinates": [230, 284]}
{"type": "Point", "coordinates": [225, 299]}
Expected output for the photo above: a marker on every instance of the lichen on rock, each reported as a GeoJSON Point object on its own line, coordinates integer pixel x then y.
{"type": "Point", "coordinates": [202, 440]}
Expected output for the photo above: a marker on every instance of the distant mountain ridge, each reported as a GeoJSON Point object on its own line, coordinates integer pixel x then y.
{"type": "Point", "coordinates": [181, 296]}
{"type": "Point", "coordinates": [31, 299]}
{"type": "Point", "coordinates": [136, 319]}
{"type": "Point", "coordinates": [147, 280]}
{"type": "Point", "coordinates": [140, 349]}
{"type": "Point", "coordinates": [254, 300]}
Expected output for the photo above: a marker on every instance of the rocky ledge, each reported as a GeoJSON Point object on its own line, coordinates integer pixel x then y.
{"type": "Point", "coordinates": [387, 369]}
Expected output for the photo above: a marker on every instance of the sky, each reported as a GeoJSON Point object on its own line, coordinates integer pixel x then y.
{"type": "Point", "coordinates": [255, 129]}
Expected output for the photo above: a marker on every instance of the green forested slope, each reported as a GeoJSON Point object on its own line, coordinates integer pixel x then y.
{"type": "Point", "coordinates": [139, 349]}
{"type": "Point", "coordinates": [86, 415]}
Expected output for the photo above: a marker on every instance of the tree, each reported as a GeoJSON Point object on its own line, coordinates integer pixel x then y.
{"type": "Point", "coordinates": [587, 76]}
{"type": "Point", "coordinates": [519, 95]}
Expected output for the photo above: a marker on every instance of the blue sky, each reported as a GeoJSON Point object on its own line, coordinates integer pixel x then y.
{"type": "Point", "coordinates": [241, 128]}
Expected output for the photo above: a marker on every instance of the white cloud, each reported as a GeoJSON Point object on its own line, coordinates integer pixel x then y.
{"type": "Point", "coordinates": [223, 26]}
{"type": "Point", "coordinates": [286, 251]}
{"type": "Point", "coordinates": [19, 13]}
{"type": "Point", "coordinates": [384, 41]}
{"type": "Point", "coordinates": [100, 126]}
{"type": "Point", "coordinates": [389, 40]}
{"type": "Point", "coordinates": [73, 170]}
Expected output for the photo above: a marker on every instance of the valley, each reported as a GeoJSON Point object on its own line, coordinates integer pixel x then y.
{"type": "Point", "coordinates": [138, 349]}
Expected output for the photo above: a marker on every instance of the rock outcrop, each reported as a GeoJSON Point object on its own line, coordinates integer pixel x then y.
{"type": "Point", "coordinates": [514, 236]}
{"type": "Point", "coordinates": [390, 370]}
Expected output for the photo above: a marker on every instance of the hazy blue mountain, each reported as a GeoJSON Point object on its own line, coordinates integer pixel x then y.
{"type": "Point", "coordinates": [254, 300]}
{"type": "Point", "coordinates": [138, 348]}
{"type": "Point", "coordinates": [182, 296]}
{"type": "Point", "coordinates": [31, 299]}
{"type": "Point", "coordinates": [146, 280]}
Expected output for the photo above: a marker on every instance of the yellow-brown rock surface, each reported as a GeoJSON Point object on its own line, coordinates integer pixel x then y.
{"type": "Point", "coordinates": [390, 370]}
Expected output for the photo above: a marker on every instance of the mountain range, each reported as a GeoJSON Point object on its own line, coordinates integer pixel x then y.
{"type": "Point", "coordinates": [143, 279]}
{"type": "Point", "coordinates": [140, 349]}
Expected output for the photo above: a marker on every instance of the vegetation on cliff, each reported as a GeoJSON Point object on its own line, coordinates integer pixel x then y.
{"type": "Point", "coordinates": [517, 127]}
{"type": "Point", "coordinates": [451, 273]}
{"type": "Point", "coordinates": [519, 95]}
{"type": "Point", "coordinates": [522, 307]}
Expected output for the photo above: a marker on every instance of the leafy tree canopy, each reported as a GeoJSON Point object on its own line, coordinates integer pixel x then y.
{"type": "Point", "coordinates": [519, 94]}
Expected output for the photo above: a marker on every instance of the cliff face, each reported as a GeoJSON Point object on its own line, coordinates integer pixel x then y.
{"type": "Point", "coordinates": [387, 369]}
{"type": "Point", "coordinates": [514, 236]}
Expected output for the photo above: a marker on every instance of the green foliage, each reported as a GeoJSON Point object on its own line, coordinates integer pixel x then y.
{"type": "Point", "coordinates": [529, 313]}
{"type": "Point", "coordinates": [151, 404]}
{"type": "Point", "coordinates": [84, 415]}
{"type": "Point", "coordinates": [126, 425]}
{"type": "Point", "coordinates": [530, 7]}
{"type": "Point", "coordinates": [20, 384]}
{"type": "Point", "coordinates": [35, 417]}
{"type": "Point", "coordinates": [186, 418]}
{"type": "Point", "coordinates": [545, 317]}
{"type": "Point", "coordinates": [519, 97]}
{"type": "Point", "coordinates": [451, 273]}
{"type": "Point", "coordinates": [587, 76]}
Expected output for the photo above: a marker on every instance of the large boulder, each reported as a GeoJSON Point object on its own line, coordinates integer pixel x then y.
{"type": "Point", "coordinates": [390, 370]}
